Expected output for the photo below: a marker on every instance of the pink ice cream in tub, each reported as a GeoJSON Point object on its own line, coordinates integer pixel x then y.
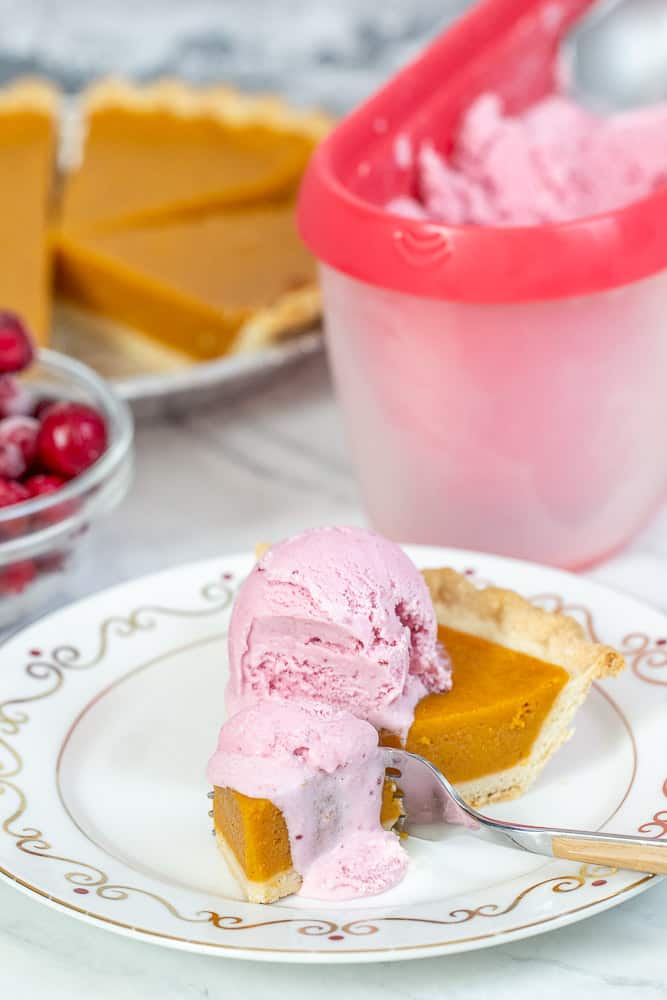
{"type": "Point", "coordinates": [341, 616]}
{"type": "Point", "coordinates": [494, 268]}
{"type": "Point", "coordinates": [322, 767]}
{"type": "Point", "coordinates": [553, 162]}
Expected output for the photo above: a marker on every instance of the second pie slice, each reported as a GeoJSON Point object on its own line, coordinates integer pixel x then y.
{"type": "Point", "coordinates": [519, 675]}
{"type": "Point", "coordinates": [203, 285]}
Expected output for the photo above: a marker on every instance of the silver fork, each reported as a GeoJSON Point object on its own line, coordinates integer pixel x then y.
{"type": "Point", "coordinates": [432, 804]}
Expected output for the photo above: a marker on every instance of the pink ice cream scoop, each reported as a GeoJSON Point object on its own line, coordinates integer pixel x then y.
{"type": "Point", "coordinates": [341, 616]}
{"type": "Point", "coordinates": [323, 769]}
{"type": "Point", "coordinates": [552, 163]}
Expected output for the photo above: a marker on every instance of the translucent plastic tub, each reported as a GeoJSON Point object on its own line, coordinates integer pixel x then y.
{"type": "Point", "coordinates": [503, 389]}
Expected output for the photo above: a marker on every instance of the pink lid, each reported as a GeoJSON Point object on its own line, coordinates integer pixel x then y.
{"type": "Point", "coordinates": [509, 47]}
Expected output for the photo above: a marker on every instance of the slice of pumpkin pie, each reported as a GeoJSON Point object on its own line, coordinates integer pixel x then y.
{"type": "Point", "coordinates": [148, 152]}
{"type": "Point", "coordinates": [479, 681]}
{"type": "Point", "coordinates": [519, 675]}
{"type": "Point", "coordinates": [342, 615]}
{"type": "Point", "coordinates": [28, 129]}
{"type": "Point", "coordinates": [299, 802]}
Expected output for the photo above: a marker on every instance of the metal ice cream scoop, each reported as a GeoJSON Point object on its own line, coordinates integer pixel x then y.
{"type": "Point", "coordinates": [615, 56]}
{"type": "Point", "coordinates": [432, 804]}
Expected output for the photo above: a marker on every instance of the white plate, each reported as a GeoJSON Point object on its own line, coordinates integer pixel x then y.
{"type": "Point", "coordinates": [110, 708]}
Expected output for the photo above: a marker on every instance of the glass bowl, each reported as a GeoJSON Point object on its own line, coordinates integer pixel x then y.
{"type": "Point", "coordinates": [41, 538]}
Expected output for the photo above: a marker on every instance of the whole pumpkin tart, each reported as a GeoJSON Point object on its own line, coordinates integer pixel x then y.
{"type": "Point", "coordinates": [172, 216]}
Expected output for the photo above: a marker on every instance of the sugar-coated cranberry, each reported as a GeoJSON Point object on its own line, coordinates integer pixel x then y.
{"type": "Point", "coordinates": [41, 484]}
{"type": "Point", "coordinates": [72, 436]}
{"type": "Point", "coordinates": [16, 347]}
{"type": "Point", "coordinates": [12, 492]}
{"type": "Point", "coordinates": [16, 577]}
{"type": "Point", "coordinates": [12, 462]}
{"type": "Point", "coordinates": [15, 398]}
{"type": "Point", "coordinates": [22, 433]}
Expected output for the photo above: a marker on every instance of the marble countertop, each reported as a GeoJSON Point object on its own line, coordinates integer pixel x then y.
{"type": "Point", "coordinates": [263, 467]}
{"type": "Point", "coordinates": [311, 50]}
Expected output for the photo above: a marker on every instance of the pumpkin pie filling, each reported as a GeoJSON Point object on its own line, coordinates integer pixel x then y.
{"type": "Point", "coordinates": [178, 221]}
{"type": "Point", "coordinates": [299, 803]}
{"type": "Point", "coordinates": [27, 145]}
{"type": "Point", "coordinates": [196, 282]}
{"type": "Point", "coordinates": [256, 832]}
{"type": "Point", "coordinates": [490, 719]}
{"type": "Point", "coordinates": [167, 150]}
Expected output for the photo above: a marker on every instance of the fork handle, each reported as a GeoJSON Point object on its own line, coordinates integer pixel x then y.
{"type": "Point", "coordinates": [640, 856]}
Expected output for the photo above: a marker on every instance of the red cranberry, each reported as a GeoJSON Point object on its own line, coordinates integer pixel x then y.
{"type": "Point", "coordinates": [20, 432]}
{"type": "Point", "coordinates": [42, 485]}
{"type": "Point", "coordinates": [16, 347]}
{"type": "Point", "coordinates": [71, 438]}
{"type": "Point", "coordinates": [15, 399]}
{"type": "Point", "coordinates": [38, 486]}
{"type": "Point", "coordinates": [15, 578]}
{"type": "Point", "coordinates": [12, 492]}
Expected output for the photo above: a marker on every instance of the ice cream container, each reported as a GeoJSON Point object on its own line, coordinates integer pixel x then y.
{"type": "Point", "coordinates": [504, 389]}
